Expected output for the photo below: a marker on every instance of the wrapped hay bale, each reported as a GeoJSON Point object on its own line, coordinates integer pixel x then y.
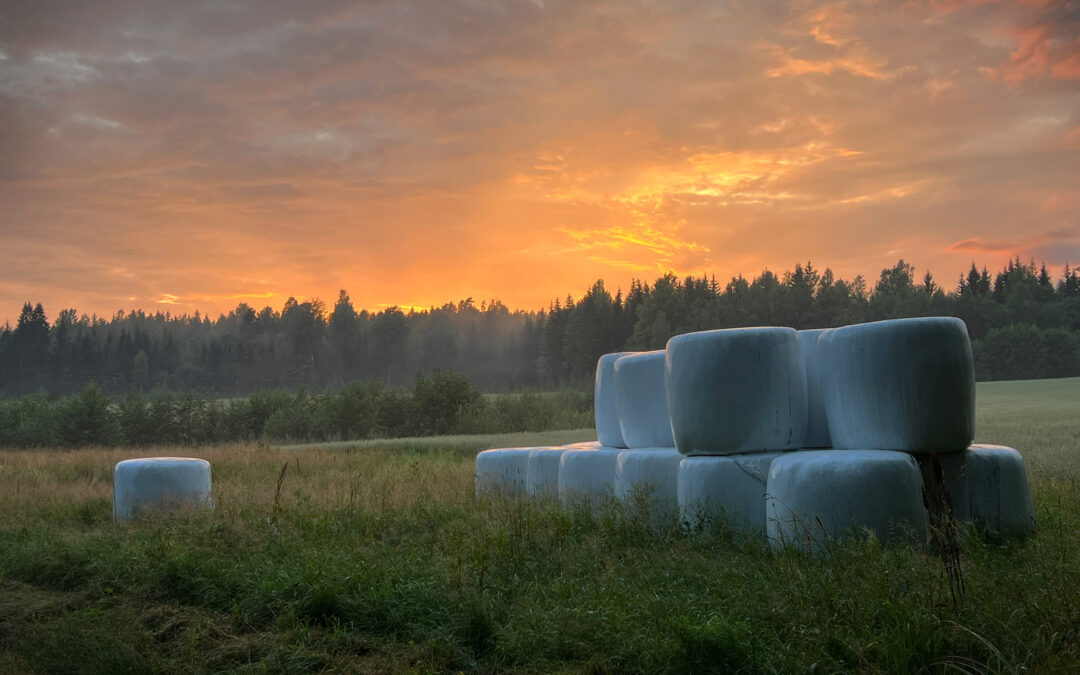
{"type": "Point", "coordinates": [736, 390]}
{"type": "Point", "coordinates": [158, 484]}
{"type": "Point", "coordinates": [641, 401]}
{"type": "Point", "coordinates": [542, 471]}
{"type": "Point", "coordinates": [813, 495]}
{"type": "Point", "coordinates": [604, 410]}
{"type": "Point", "coordinates": [988, 485]}
{"type": "Point", "coordinates": [729, 487]}
{"type": "Point", "coordinates": [904, 384]}
{"type": "Point", "coordinates": [650, 474]}
{"type": "Point", "coordinates": [587, 476]}
{"type": "Point", "coordinates": [817, 423]}
{"type": "Point", "coordinates": [502, 471]}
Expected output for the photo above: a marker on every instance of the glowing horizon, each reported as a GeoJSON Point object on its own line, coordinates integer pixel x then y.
{"type": "Point", "coordinates": [418, 154]}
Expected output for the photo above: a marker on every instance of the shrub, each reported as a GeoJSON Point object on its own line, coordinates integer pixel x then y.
{"type": "Point", "coordinates": [439, 404]}
{"type": "Point", "coordinates": [1022, 351]}
{"type": "Point", "coordinates": [443, 403]}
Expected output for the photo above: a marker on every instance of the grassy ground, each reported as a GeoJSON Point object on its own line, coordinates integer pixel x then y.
{"type": "Point", "coordinates": [376, 558]}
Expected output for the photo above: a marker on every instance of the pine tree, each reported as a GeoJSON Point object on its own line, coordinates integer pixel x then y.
{"type": "Point", "coordinates": [1044, 278]}
{"type": "Point", "coordinates": [929, 287]}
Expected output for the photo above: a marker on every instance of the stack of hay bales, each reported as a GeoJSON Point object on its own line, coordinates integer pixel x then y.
{"type": "Point", "coordinates": [646, 473]}
{"type": "Point", "coordinates": [738, 398]}
{"type": "Point", "coordinates": [888, 389]}
{"type": "Point", "coordinates": [794, 435]}
{"type": "Point", "coordinates": [894, 391]}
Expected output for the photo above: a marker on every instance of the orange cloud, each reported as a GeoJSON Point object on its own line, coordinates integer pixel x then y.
{"type": "Point", "coordinates": [832, 24]}
{"type": "Point", "coordinates": [212, 299]}
{"type": "Point", "coordinates": [1047, 49]}
{"type": "Point", "coordinates": [860, 66]}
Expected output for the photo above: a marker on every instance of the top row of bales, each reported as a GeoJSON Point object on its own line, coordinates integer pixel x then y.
{"type": "Point", "coordinates": [905, 385]}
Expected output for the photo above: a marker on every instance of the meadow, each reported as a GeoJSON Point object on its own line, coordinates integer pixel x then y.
{"type": "Point", "coordinates": [373, 556]}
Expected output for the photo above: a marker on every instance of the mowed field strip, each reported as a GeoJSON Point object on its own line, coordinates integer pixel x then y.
{"type": "Point", "coordinates": [373, 556]}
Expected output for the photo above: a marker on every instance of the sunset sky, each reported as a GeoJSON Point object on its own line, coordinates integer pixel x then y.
{"type": "Point", "coordinates": [164, 156]}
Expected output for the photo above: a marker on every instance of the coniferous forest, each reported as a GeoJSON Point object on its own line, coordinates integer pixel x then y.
{"type": "Point", "coordinates": [1024, 322]}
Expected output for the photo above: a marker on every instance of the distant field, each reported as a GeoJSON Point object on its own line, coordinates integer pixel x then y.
{"type": "Point", "coordinates": [466, 443]}
{"type": "Point", "coordinates": [378, 559]}
{"type": "Point", "coordinates": [1021, 395]}
{"type": "Point", "coordinates": [1040, 418]}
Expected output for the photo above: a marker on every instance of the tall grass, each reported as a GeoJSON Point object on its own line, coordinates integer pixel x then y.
{"type": "Point", "coordinates": [379, 559]}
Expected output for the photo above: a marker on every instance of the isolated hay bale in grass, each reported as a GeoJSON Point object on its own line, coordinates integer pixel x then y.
{"type": "Point", "coordinates": [150, 485]}
{"type": "Point", "coordinates": [651, 474]}
{"type": "Point", "coordinates": [641, 401]}
{"type": "Point", "coordinates": [587, 476]}
{"type": "Point", "coordinates": [817, 423]}
{"type": "Point", "coordinates": [988, 486]}
{"type": "Point", "coordinates": [814, 495]}
{"type": "Point", "coordinates": [904, 384]}
{"type": "Point", "coordinates": [729, 487]}
{"type": "Point", "coordinates": [502, 471]}
{"type": "Point", "coordinates": [542, 471]}
{"type": "Point", "coordinates": [604, 410]}
{"type": "Point", "coordinates": [736, 390]}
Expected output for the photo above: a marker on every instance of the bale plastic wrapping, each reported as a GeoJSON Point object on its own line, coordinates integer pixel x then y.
{"type": "Point", "coordinates": [904, 384]}
{"type": "Point", "coordinates": [587, 476]}
{"type": "Point", "coordinates": [641, 401]}
{"type": "Point", "coordinates": [988, 486]}
{"type": "Point", "coordinates": [817, 423]}
{"type": "Point", "coordinates": [502, 471]}
{"type": "Point", "coordinates": [814, 495]}
{"type": "Point", "coordinates": [736, 390]}
{"type": "Point", "coordinates": [604, 411]}
{"type": "Point", "coordinates": [152, 485]}
{"type": "Point", "coordinates": [542, 471]}
{"type": "Point", "coordinates": [650, 474]}
{"type": "Point", "coordinates": [729, 488]}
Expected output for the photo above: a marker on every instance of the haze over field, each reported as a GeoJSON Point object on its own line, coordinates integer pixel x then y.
{"type": "Point", "coordinates": [168, 157]}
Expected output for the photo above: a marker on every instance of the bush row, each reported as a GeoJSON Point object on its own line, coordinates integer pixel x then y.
{"type": "Point", "coordinates": [1024, 351]}
{"type": "Point", "coordinates": [442, 403]}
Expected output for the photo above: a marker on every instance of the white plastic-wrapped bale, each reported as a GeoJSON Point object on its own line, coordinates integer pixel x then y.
{"type": "Point", "coordinates": [502, 470]}
{"type": "Point", "coordinates": [583, 445]}
{"type": "Point", "coordinates": [988, 485]}
{"type": "Point", "coordinates": [736, 390]}
{"type": "Point", "coordinates": [587, 476]}
{"type": "Point", "coordinates": [652, 475]}
{"type": "Point", "coordinates": [817, 424]}
{"type": "Point", "coordinates": [641, 401]}
{"type": "Point", "coordinates": [904, 384]}
{"type": "Point", "coordinates": [156, 484]}
{"type": "Point", "coordinates": [604, 411]}
{"type": "Point", "coordinates": [730, 487]}
{"type": "Point", "coordinates": [816, 494]}
{"type": "Point", "coordinates": [542, 471]}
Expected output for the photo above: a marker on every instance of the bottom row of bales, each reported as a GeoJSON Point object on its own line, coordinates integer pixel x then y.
{"type": "Point", "coordinates": [798, 497]}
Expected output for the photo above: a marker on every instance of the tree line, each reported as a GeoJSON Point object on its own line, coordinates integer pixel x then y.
{"type": "Point", "coordinates": [1024, 323]}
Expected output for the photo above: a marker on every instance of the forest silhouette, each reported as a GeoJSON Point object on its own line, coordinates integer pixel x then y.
{"type": "Point", "coordinates": [1024, 323]}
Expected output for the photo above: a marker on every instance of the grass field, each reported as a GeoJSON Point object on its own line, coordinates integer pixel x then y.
{"type": "Point", "coordinates": [376, 558]}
